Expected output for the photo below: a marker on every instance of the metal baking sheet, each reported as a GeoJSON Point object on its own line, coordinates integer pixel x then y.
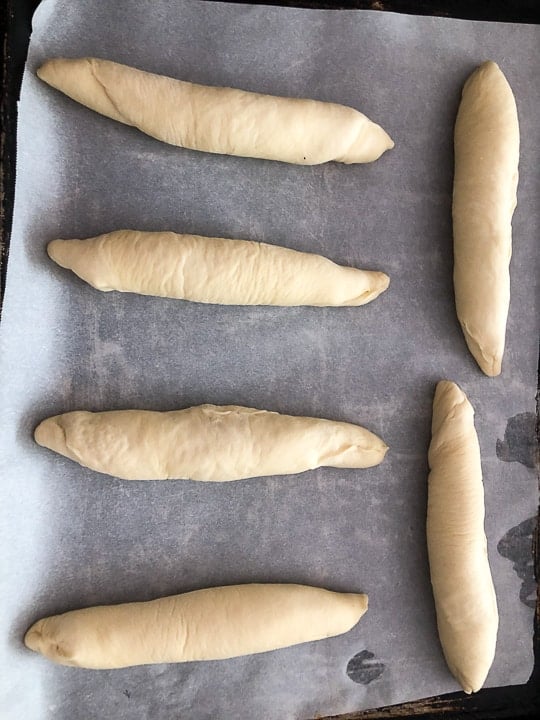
{"type": "Point", "coordinates": [73, 538]}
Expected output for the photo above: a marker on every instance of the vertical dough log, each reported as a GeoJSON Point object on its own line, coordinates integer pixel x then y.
{"type": "Point", "coordinates": [485, 185]}
{"type": "Point", "coordinates": [219, 120]}
{"type": "Point", "coordinates": [207, 442]}
{"type": "Point", "coordinates": [465, 600]}
{"type": "Point", "coordinates": [214, 270]}
{"type": "Point", "coordinates": [211, 624]}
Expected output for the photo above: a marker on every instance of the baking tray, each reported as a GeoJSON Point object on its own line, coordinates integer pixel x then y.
{"type": "Point", "coordinates": [494, 702]}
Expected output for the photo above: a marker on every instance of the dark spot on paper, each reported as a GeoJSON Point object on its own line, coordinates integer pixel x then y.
{"type": "Point", "coordinates": [520, 442]}
{"type": "Point", "coordinates": [516, 546]}
{"type": "Point", "coordinates": [363, 669]}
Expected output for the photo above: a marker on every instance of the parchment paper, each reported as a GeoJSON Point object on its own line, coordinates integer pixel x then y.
{"type": "Point", "coordinates": [72, 538]}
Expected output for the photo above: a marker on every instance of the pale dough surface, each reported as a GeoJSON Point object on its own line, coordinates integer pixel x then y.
{"type": "Point", "coordinates": [465, 601]}
{"type": "Point", "coordinates": [214, 270]}
{"type": "Point", "coordinates": [212, 624]}
{"type": "Point", "coordinates": [207, 442]}
{"type": "Point", "coordinates": [486, 144]}
{"type": "Point", "coordinates": [219, 120]}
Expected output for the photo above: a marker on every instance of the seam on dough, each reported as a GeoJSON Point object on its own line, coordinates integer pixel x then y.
{"type": "Point", "coordinates": [339, 452]}
{"type": "Point", "coordinates": [448, 417]}
{"type": "Point", "coordinates": [73, 451]}
{"type": "Point", "coordinates": [109, 98]}
{"type": "Point", "coordinates": [490, 360]}
{"type": "Point", "coordinates": [360, 129]}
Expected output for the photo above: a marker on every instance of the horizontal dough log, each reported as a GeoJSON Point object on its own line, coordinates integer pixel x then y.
{"type": "Point", "coordinates": [217, 119]}
{"type": "Point", "coordinates": [465, 601]}
{"type": "Point", "coordinates": [485, 184]}
{"type": "Point", "coordinates": [214, 270]}
{"type": "Point", "coordinates": [211, 624]}
{"type": "Point", "coordinates": [207, 442]}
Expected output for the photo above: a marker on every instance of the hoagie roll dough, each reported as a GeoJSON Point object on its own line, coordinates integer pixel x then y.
{"type": "Point", "coordinates": [485, 184]}
{"type": "Point", "coordinates": [211, 624]}
{"type": "Point", "coordinates": [207, 442]}
{"type": "Point", "coordinates": [214, 270]}
{"type": "Point", "coordinates": [465, 601]}
{"type": "Point", "coordinates": [219, 120]}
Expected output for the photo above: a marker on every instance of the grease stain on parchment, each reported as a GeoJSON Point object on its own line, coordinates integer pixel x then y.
{"type": "Point", "coordinates": [520, 442]}
{"type": "Point", "coordinates": [516, 546]}
{"type": "Point", "coordinates": [363, 668]}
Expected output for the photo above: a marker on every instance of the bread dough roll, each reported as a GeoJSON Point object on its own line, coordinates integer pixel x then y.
{"type": "Point", "coordinates": [465, 600]}
{"type": "Point", "coordinates": [207, 442]}
{"type": "Point", "coordinates": [485, 185]}
{"type": "Point", "coordinates": [211, 624]}
{"type": "Point", "coordinates": [214, 270]}
{"type": "Point", "coordinates": [219, 120]}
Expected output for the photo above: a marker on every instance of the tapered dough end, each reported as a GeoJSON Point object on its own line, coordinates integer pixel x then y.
{"type": "Point", "coordinates": [77, 256]}
{"type": "Point", "coordinates": [379, 283]}
{"type": "Point", "coordinates": [47, 72]}
{"type": "Point", "coordinates": [488, 76]}
{"type": "Point", "coordinates": [489, 363]}
{"type": "Point", "coordinates": [448, 392]}
{"type": "Point", "coordinates": [64, 74]}
{"type": "Point", "coordinates": [78, 78]}
{"type": "Point", "coordinates": [40, 640]}
{"type": "Point", "coordinates": [448, 397]}
{"type": "Point", "coordinates": [362, 603]}
{"type": "Point", "coordinates": [32, 638]}
{"type": "Point", "coordinates": [368, 453]}
{"type": "Point", "coordinates": [62, 252]}
{"type": "Point", "coordinates": [349, 609]}
{"type": "Point", "coordinates": [360, 287]}
{"type": "Point", "coordinates": [358, 608]}
{"type": "Point", "coordinates": [370, 144]}
{"type": "Point", "coordinates": [390, 144]}
{"type": "Point", "coordinates": [471, 667]}
{"type": "Point", "coordinates": [487, 70]}
{"type": "Point", "coordinates": [471, 675]}
{"type": "Point", "coordinates": [82, 258]}
{"type": "Point", "coordinates": [380, 451]}
{"type": "Point", "coordinates": [470, 684]}
{"type": "Point", "coordinates": [382, 139]}
{"type": "Point", "coordinates": [379, 142]}
{"type": "Point", "coordinates": [50, 434]}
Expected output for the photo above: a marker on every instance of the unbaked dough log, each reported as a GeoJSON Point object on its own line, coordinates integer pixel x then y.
{"type": "Point", "coordinates": [485, 185]}
{"type": "Point", "coordinates": [219, 120]}
{"type": "Point", "coordinates": [211, 624]}
{"type": "Point", "coordinates": [465, 600]}
{"type": "Point", "coordinates": [214, 270]}
{"type": "Point", "coordinates": [207, 442]}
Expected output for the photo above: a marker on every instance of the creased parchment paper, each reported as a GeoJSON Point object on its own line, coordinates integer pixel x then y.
{"type": "Point", "coordinates": [73, 538]}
